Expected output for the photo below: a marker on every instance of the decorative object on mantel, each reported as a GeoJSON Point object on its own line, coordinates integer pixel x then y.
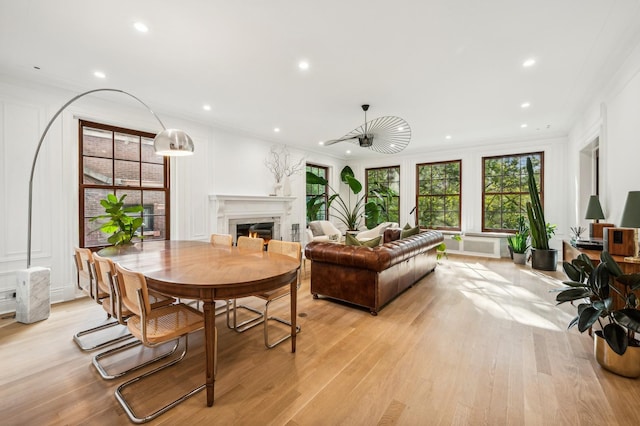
{"type": "Point", "coordinates": [387, 135]}
{"type": "Point", "coordinates": [33, 286]}
{"type": "Point", "coordinates": [576, 232]}
{"type": "Point", "coordinates": [279, 163]}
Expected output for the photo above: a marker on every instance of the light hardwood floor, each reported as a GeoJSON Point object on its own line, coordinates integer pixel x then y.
{"type": "Point", "coordinates": [477, 342]}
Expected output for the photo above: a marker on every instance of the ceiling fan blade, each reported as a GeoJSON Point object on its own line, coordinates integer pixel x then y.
{"type": "Point", "coordinates": [342, 139]}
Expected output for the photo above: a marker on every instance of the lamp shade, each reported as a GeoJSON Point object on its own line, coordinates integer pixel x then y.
{"type": "Point", "coordinates": [631, 212]}
{"type": "Point", "coordinates": [173, 143]}
{"type": "Point", "coordinates": [594, 209]}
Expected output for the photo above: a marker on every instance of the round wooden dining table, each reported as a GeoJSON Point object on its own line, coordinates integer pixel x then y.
{"type": "Point", "coordinates": [200, 270]}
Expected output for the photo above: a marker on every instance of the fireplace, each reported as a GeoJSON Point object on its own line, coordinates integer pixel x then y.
{"type": "Point", "coordinates": [233, 214]}
{"type": "Point", "coordinates": [262, 230]}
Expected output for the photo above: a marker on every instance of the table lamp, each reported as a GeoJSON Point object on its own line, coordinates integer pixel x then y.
{"type": "Point", "coordinates": [594, 211]}
{"type": "Point", "coordinates": [631, 219]}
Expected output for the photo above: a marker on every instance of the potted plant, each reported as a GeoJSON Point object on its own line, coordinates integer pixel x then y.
{"type": "Point", "coordinates": [542, 257]}
{"type": "Point", "coordinates": [519, 242]}
{"type": "Point", "coordinates": [350, 211]}
{"type": "Point", "coordinates": [119, 224]}
{"type": "Point", "coordinates": [615, 346]}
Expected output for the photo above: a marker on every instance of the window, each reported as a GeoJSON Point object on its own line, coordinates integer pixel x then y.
{"type": "Point", "coordinates": [317, 195]}
{"type": "Point", "coordinates": [505, 192]}
{"type": "Point", "coordinates": [121, 161]}
{"type": "Point", "coordinates": [438, 197]}
{"type": "Point", "coordinates": [383, 187]}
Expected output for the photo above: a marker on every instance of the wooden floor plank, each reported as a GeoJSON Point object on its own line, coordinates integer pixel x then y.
{"type": "Point", "coordinates": [480, 341]}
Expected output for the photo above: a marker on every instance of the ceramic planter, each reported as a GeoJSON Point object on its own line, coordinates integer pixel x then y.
{"type": "Point", "coordinates": [627, 364]}
{"type": "Point", "coordinates": [544, 260]}
{"type": "Point", "coordinates": [520, 258]}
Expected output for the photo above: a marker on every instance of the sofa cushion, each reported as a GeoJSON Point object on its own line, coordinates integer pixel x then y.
{"type": "Point", "coordinates": [316, 229]}
{"type": "Point", "coordinates": [350, 240]}
{"type": "Point", "coordinates": [409, 232]}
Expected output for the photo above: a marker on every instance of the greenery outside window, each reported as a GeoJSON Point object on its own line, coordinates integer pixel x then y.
{"type": "Point", "coordinates": [383, 188]}
{"type": "Point", "coordinates": [316, 195]}
{"type": "Point", "coordinates": [438, 195]}
{"type": "Point", "coordinates": [505, 192]}
{"type": "Point", "coordinates": [121, 161]}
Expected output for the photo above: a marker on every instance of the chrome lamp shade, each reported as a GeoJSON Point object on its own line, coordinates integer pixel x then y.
{"type": "Point", "coordinates": [173, 142]}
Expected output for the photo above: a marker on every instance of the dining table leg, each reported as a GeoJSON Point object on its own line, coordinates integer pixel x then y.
{"type": "Point", "coordinates": [294, 313]}
{"type": "Point", "coordinates": [211, 347]}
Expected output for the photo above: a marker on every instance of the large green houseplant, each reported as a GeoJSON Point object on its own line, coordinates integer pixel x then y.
{"type": "Point", "coordinates": [119, 223]}
{"type": "Point", "coordinates": [542, 257]}
{"type": "Point", "coordinates": [600, 300]}
{"type": "Point", "coordinates": [347, 211]}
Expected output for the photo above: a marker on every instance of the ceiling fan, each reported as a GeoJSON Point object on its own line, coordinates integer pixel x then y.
{"type": "Point", "coordinates": [388, 135]}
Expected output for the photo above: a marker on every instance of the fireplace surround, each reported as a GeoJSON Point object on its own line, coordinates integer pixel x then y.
{"type": "Point", "coordinates": [229, 211]}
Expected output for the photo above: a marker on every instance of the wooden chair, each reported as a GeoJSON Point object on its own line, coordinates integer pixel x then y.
{"type": "Point", "coordinates": [154, 327]}
{"type": "Point", "coordinates": [106, 276]}
{"type": "Point", "coordinates": [248, 244]}
{"type": "Point", "coordinates": [88, 282]}
{"type": "Point", "coordinates": [291, 249]}
{"type": "Point", "coordinates": [221, 240]}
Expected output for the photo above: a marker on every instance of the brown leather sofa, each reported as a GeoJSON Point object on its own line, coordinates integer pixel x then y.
{"type": "Point", "coordinates": [371, 277]}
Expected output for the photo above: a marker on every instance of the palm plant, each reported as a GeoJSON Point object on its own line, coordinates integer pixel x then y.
{"type": "Point", "coordinates": [349, 211]}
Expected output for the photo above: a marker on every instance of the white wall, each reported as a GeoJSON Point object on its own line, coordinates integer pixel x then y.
{"type": "Point", "coordinates": [614, 116]}
{"type": "Point", "coordinates": [224, 163]}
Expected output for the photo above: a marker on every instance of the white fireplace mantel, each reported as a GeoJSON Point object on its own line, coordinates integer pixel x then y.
{"type": "Point", "coordinates": [228, 210]}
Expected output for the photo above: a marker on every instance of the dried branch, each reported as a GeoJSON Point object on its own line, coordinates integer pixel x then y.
{"type": "Point", "coordinates": [278, 163]}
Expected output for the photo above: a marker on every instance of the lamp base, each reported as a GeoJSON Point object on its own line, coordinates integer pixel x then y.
{"type": "Point", "coordinates": [631, 259]}
{"type": "Point", "coordinates": [33, 295]}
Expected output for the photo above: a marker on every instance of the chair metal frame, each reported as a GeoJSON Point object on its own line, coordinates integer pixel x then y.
{"type": "Point", "coordinates": [142, 303]}
{"type": "Point", "coordinates": [94, 293]}
{"type": "Point", "coordinates": [116, 307]}
{"type": "Point", "coordinates": [264, 314]}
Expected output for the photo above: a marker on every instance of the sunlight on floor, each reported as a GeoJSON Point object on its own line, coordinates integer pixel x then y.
{"type": "Point", "coordinates": [499, 296]}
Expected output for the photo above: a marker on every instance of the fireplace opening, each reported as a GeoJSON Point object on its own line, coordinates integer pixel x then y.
{"type": "Point", "coordinates": [262, 230]}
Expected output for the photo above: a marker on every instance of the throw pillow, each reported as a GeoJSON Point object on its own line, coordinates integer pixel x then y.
{"type": "Point", "coordinates": [316, 229]}
{"type": "Point", "coordinates": [350, 240]}
{"type": "Point", "coordinates": [374, 242]}
{"type": "Point", "coordinates": [392, 234]}
{"type": "Point", "coordinates": [407, 226]}
{"type": "Point", "coordinates": [409, 232]}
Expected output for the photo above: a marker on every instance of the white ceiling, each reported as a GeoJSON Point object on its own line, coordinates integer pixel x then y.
{"type": "Point", "coordinates": [448, 67]}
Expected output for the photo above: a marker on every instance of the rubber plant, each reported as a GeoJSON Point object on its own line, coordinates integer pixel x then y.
{"type": "Point", "coordinates": [119, 224]}
{"type": "Point", "coordinates": [592, 286]}
{"type": "Point", "coordinates": [349, 211]}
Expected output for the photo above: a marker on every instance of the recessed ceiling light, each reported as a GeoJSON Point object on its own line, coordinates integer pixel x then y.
{"type": "Point", "coordinates": [321, 143]}
{"type": "Point", "coordinates": [206, 107]}
{"type": "Point", "coordinates": [100, 74]}
{"type": "Point", "coordinates": [529, 62]}
{"type": "Point", "coordinates": [348, 151]}
{"type": "Point", "coordinates": [276, 129]}
{"type": "Point", "coordinates": [303, 65]}
{"type": "Point", "coordinates": [141, 27]}
{"type": "Point", "coordinates": [523, 125]}
{"type": "Point", "coordinates": [448, 137]}
{"type": "Point", "coordinates": [525, 105]}
{"type": "Point", "coordinates": [400, 128]}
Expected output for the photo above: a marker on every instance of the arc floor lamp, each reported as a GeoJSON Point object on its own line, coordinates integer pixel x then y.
{"type": "Point", "coordinates": [31, 306]}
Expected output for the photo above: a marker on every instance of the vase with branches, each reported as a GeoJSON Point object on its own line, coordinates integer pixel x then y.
{"type": "Point", "coordinates": [280, 164]}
